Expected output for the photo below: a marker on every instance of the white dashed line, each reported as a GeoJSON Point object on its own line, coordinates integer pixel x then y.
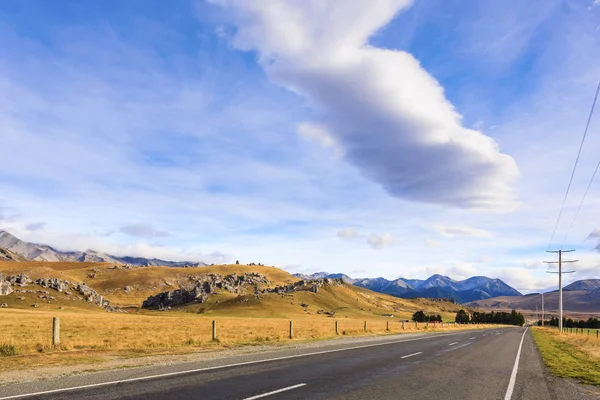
{"type": "Point", "coordinates": [276, 391]}
{"type": "Point", "coordinates": [452, 344]}
{"type": "Point", "coordinates": [413, 354]}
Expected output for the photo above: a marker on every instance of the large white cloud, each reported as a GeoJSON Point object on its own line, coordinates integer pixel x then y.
{"type": "Point", "coordinates": [388, 116]}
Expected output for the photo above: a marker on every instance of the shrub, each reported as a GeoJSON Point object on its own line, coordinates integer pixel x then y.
{"type": "Point", "coordinates": [7, 350]}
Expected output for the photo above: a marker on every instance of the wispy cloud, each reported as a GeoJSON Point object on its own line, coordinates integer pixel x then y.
{"type": "Point", "coordinates": [388, 114]}
{"type": "Point", "coordinates": [380, 241]}
{"type": "Point", "coordinates": [458, 231]}
{"type": "Point", "coordinates": [142, 230]}
{"type": "Point", "coordinates": [347, 233]}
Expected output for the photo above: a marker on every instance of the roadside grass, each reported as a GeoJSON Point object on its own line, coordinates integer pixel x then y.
{"type": "Point", "coordinates": [570, 355]}
{"type": "Point", "coordinates": [89, 337]}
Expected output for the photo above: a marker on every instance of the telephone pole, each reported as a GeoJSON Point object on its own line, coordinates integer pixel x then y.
{"type": "Point", "coordinates": [543, 310]}
{"type": "Point", "coordinates": [560, 272]}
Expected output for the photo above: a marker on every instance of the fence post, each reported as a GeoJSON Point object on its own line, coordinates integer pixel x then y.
{"type": "Point", "coordinates": [427, 324]}
{"type": "Point", "coordinates": [403, 325]}
{"type": "Point", "coordinates": [55, 331]}
{"type": "Point", "coordinates": [416, 325]}
{"type": "Point", "coordinates": [596, 333]}
{"type": "Point", "coordinates": [214, 330]}
{"type": "Point", "coordinates": [365, 326]}
{"type": "Point", "coordinates": [291, 329]}
{"type": "Point", "coordinates": [337, 328]}
{"type": "Point", "coordinates": [387, 325]}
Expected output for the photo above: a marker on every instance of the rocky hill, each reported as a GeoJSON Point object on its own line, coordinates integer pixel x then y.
{"type": "Point", "coordinates": [436, 286]}
{"type": "Point", "coordinates": [41, 252]}
{"type": "Point", "coordinates": [223, 290]}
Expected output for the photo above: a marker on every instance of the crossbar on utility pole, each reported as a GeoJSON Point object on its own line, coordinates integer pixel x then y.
{"type": "Point", "coordinates": [560, 262]}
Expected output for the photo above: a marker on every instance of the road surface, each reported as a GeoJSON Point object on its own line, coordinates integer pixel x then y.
{"type": "Point", "coordinates": [485, 364]}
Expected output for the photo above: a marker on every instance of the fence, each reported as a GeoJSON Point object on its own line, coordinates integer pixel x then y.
{"type": "Point", "coordinates": [582, 331]}
{"type": "Point", "coordinates": [72, 332]}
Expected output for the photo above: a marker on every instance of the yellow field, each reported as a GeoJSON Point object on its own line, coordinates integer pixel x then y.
{"type": "Point", "coordinates": [89, 334]}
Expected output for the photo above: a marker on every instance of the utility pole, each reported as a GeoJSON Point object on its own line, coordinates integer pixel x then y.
{"type": "Point", "coordinates": [543, 310]}
{"type": "Point", "coordinates": [560, 272]}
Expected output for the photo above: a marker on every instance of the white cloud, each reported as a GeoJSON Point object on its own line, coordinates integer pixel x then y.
{"type": "Point", "coordinates": [380, 241]}
{"type": "Point", "coordinates": [347, 233]}
{"type": "Point", "coordinates": [320, 134]}
{"type": "Point", "coordinates": [390, 117]}
{"type": "Point", "coordinates": [142, 230]}
{"type": "Point", "coordinates": [461, 231]}
{"type": "Point", "coordinates": [432, 243]}
{"type": "Point", "coordinates": [486, 259]}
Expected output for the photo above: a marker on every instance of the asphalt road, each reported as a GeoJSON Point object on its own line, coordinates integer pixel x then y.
{"type": "Point", "coordinates": [462, 365]}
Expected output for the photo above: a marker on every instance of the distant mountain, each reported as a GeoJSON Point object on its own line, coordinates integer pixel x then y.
{"type": "Point", "coordinates": [436, 286]}
{"type": "Point", "coordinates": [42, 252]}
{"type": "Point", "coordinates": [319, 275]}
{"type": "Point", "coordinates": [586, 284]}
{"type": "Point", "coordinates": [578, 297]}
{"type": "Point", "coordinates": [7, 255]}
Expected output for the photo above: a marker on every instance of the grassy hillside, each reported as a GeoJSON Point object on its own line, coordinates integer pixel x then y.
{"type": "Point", "coordinates": [129, 287]}
{"type": "Point", "coordinates": [89, 334]}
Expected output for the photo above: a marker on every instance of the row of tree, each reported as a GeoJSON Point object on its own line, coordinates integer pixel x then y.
{"type": "Point", "coordinates": [511, 318]}
{"type": "Point", "coordinates": [420, 316]}
{"type": "Point", "coordinates": [591, 323]}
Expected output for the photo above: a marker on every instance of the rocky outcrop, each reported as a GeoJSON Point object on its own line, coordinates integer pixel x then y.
{"type": "Point", "coordinates": [174, 298]}
{"type": "Point", "coordinates": [87, 293]}
{"type": "Point", "coordinates": [311, 285]}
{"type": "Point", "coordinates": [203, 287]}
{"type": "Point", "coordinates": [5, 288]}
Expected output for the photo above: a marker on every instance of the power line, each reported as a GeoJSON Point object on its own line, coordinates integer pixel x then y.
{"type": "Point", "coordinates": [573, 172]}
{"type": "Point", "coordinates": [593, 175]}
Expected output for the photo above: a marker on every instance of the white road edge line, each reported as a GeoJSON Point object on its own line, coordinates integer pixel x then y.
{"type": "Point", "coordinates": [285, 389]}
{"type": "Point", "coordinates": [143, 378]}
{"type": "Point", "coordinates": [473, 338]}
{"type": "Point", "coordinates": [413, 354]}
{"type": "Point", "coordinates": [452, 344]}
{"type": "Point", "coordinates": [513, 376]}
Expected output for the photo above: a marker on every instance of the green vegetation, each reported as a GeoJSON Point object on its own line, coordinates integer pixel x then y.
{"type": "Point", "coordinates": [420, 316]}
{"type": "Point", "coordinates": [569, 356]}
{"type": "Point", "coordinates": [512, 318]}
{"type": "Point", "coordinates": [591, 323]}
{"type": "Point", "coordinates": [7, 350]}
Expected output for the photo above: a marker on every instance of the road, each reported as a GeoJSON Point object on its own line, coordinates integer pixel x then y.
{"type": "Point", "coordinates": [483, 364]}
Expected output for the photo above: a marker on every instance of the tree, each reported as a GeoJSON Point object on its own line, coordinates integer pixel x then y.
{"type": "Point", "coordinates": [462, 317]}
{"type": "Point", "coordinates": [419, 316]}
{"type": "Point", "coordinates": [237, 262]}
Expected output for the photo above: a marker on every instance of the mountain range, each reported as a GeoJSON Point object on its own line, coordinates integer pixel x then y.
{"type": "Point", "coordinates": [436, 286]}
{"type": "Point", "coordinates": [582, 297]}
{"type": "Point", "coordinates": [15, 249]}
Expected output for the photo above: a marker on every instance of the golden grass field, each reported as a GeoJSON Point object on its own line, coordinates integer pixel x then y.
{"type": "Point", "coordinates": [570, 355]}
{"type": "Point", "coordinates": [90, 333]}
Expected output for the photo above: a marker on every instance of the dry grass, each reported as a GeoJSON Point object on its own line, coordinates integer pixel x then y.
{"type": "Point", "coordinates": [569, 355]}
{"type": "Point", "coordinates": [88, 335]}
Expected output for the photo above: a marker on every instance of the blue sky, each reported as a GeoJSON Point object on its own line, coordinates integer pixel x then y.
{"type": "Point", "coordinates": [401, 139]}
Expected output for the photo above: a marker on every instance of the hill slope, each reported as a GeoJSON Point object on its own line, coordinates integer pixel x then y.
{"type": "Point", "coordinates": [574, 301]}
{"type": "Point", "coordinates": [129, 287]}
{"type": "Point", "coordinates": [7, 255]}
